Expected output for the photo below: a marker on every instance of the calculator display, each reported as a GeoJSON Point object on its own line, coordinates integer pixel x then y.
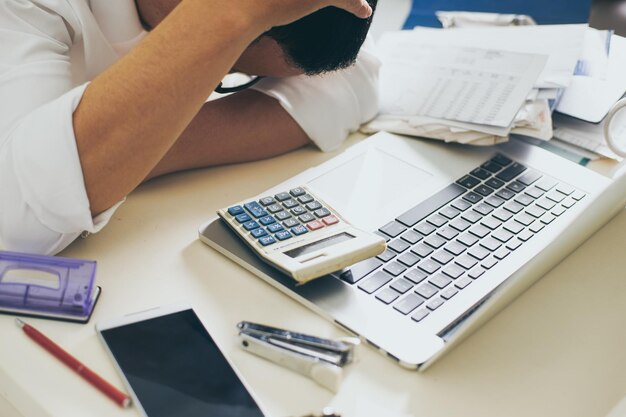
{"type": "Point", "coordinates": [320, 244]}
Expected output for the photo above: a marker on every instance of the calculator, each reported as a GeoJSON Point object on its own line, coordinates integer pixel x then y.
{"type": "Point", "coordinates": [296, 232]}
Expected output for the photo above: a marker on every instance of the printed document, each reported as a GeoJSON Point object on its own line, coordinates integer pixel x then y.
{"type": "Point", "coordinates": [466, 84]}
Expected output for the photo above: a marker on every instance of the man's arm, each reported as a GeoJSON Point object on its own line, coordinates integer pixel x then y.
{"type": "Point", "coordinates": [132, 114]}
{"type": "Point", "coordinates": [241, 127]}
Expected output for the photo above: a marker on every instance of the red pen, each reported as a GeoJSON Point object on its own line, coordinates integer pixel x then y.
{"type": "Point", "coordinates": [107, 389]}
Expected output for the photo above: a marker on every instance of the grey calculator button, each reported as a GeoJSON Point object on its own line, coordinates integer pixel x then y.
{"type": "Point", "coordinates": [274, 208]}
{"type": "Point", "coordinates": [290, 223]}
{"type": "Point", "coordinates": [297, 211]}
{"type": "Point", "coordinates": [266, 201]}
{"type": "Point", "coordinates": [297, 192]}
{"type": "Point", "coordinates": [283, 215]}
{"type": "Point", "coordinates": [282, 196]}
{"type": "Point", "coordinates": [313, 205]}
{"type": "Point", "coordinates": [305, 199]}
{"type": "Point", "coordinates": [323, 212]}
{"type": "Point", "coordinates": [290, 203]}
{"type": "Point", "coordinates": [305, 218]}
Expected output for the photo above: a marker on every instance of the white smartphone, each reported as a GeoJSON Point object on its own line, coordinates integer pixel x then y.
{"type": "Point", "coordinates": [172, 366]}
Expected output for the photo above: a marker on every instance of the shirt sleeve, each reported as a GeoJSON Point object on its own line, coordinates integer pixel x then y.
{"type": "Point", "coordinates": [330, 106]}
{"type": "Point", "coordinates": [44, 204]}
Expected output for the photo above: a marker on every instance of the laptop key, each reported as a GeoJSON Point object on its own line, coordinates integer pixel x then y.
{"type": "Point", "coordinates": [511, 171]}
{"type": "Point", "coordinates": [534, 192]}
{"type": "Point", "coordinates": [529, 177]}
{"type": "Point", "coordinates": [467, 239]}
{"type": "Point", "coordinates": [398, 245]}
{"type": "Point", "coordinates": [388, 295]}
{"type": "Point", "coordinates": [472, 197]}
{"type": "Point", "coordinates": [535, 211]}
{"type": "Point", "coordinates": [447, 233]}
{"type": "Point", "coordinates": [461, 204]}
{"type": "Point", "coordinates": [514, 244]}
{"type": "Point", "coordinates": [568, 202]}
{"type": "Point", "coordinates": [381, 234]}
{"type": "Point", "coordinates": [387, 255]}
{"type": "Point", "coordinates": [466, 262]}
{"type": "Point", "coordinates": [437, 220]}
{"type": "Point", "coordinates": [517, 187]}
{"type": "Point", "coordinates": [494, 183]}
{"type": "Point", "coordinates": [411, 236]}
{"type": "Point", "coordinates": [408, 303]}
{"type": "Point", "coordinates": [489, 263]}
{"type": "Point", "coordinates": [422, 250]}
{"type": "Point", "coordinates": [428, 266]}
{"type": "Point", "coordinates": [440, 281]}
{"type": "Point", "coordinates": [455, 248]}
{"type": "Point", "coordinates": [471, 216]}
{"type": "Point", "coordinates": [463, 282]}
{"type": "Point", "coordinates": [525, 219]}
{"type": "Point", "coordinates": [481, 173]}
{"type": "Point", "coordinates": [547, 218]}
{"type": "Point", "coordinates": [429, 206]}
{"type": "Point", "coordinates": [491, 222]}
{"type": "Point", "coordinates": [394, 268]}
{"type": "Point", "coordinates": [373, 283]}
{"type": "Point", "coordinates": [491, 166]}
{"type": "Point", "coordinates": [524, 199]}
{"type": "Point", "coordinates": [442, 257]}
{"type": "Point", "coordinates": [513, 207]}
{"type": "Point", "coordinates": [479, 252]}
{"type": "Point", "coordinates": [409, 259]}
{"type": "Point", "coordinates": [537, 227]}
{"type": "Point", "coordinates": [479, 231]}
{"type": "Point", "coordinates": [501, 159]}
{"type": "Point", "coordinates": [420, 315]}
{"type": "Point", "coordinates": [494, 201]}
{"type": "Point", "coordinates": [484, 190]}
{"type": "Point", "coordinates": [360, 270]}
{"type": "Point", "coordinates": [501, 253]}
{"type": "Point", "coordinates": [468, 181]}
{"type": "Point", "coordinates": [449, 292]}
{"type": "Point", "coordinates": [505, 194]}
{"type": "Point", "coordinates": [401, 285]}
{"type": "Point", "coordinates": [435, 241]}
{"type": "Point", "coordinates": [393, 229]}
{"type": "Point", "coordinates": [490, 243]}
{"type": "Point", "coordinates": [449, 212]}
{"type": "Point", "coordinates": [476, 272]}
{"type": "Point", "coordinates": [578, 195]}
{"type": "Point", "coordinates": [483, 208]}
{"type": "Point", "coordinates": [426, 290]}
{"type": "Point", "coordinates": [415, 276]}
{"type": "Point", "coordinates": [502, 235]}
{"type": "Point", "coordinates": [555, 196]}
{"type": "Point", "coordinates": [525, 235]}
{"type": "Point", "coordinates": [546, 203]}
{"type": "Point", "coordinates": [503, 215]}
{"type": "Point", "coordinates": [514, 227]}
{"type": "Point", "coordinates": [460, 224]}
{"type": "Point", "coordinates": [425, 228]}
{"type": "Point", "coordinates": [558, 210]}
{"type": "Point", "coordinates": [435, 304]}
{"type": "Point", "coordinates": [565, 189]}
{"type": "Point", "coordinates": [546, 183]}
{"type": "Point", "coordinates": [453, 271]}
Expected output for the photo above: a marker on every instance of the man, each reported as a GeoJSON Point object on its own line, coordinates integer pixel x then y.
{"type": "Point", "coordinates": [91, 105]}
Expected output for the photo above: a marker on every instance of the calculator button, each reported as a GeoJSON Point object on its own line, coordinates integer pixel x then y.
{"type": "Point", "coordinates": [297, 192]}
{"type": "Point", "coordinates": [275, 208]}
{"type": "Point", "coordinates": [282, 196]}
{"type": "Point", "coordinates": [267, 240]}
{"type": "Point", "coordinates": [267, 220]}
{"type": "Point", "coordinates": [283, 235]}
{"type": "Point", "coordinates": [276, 227]}
{"type": "Point", "coordinates": [242, 218]}
{"type": "Point", "coordinates": [330, 220]}
{"type": "Point", "coordinates": [257, 233]}
{"type": "Point", "coordinates": [307, 217]}
{"type": "Point", "coordinates": [315, 224]}
{"type": "Point", "coordinates": [283, 215]}
{"type": "Point", "coordinates": [305, 199]}
{"type": "Point", "coordinates": [291, 203]}
{"type": "Point", "coordinates": [251, 225]}
{"type": "Point", "coordinates": [290, 223]}
{"type": "Point", "coordinates": [234, 211]}
{"type": "Point", "coordinates": [266, 201]}
{"type": "Point", "coordinates": [255, 209]}
{"type": "Point", "coordinates": [323, 212]}
{"type": "Point", "coordinates": [313, 205]}
{"type": "Point", "coordinates": [298, 210]}
{"type": "Point", "coordinates": [299, 230]}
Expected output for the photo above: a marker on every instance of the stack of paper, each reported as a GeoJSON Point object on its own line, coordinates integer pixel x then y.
{"type": "Point", "coordinates": [475, 85]}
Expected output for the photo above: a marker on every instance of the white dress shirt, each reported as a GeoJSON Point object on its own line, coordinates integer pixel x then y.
{"type": "Point", "coordinates": [49, 51]}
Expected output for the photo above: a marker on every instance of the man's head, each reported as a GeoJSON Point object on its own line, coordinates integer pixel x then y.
{"type": "Point", "coordinates": [326, 40]}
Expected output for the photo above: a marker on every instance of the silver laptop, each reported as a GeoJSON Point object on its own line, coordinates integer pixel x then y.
{"type": "Point", "coordinates": [467, 229]}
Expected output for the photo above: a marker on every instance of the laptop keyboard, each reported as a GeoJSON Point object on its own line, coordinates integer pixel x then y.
{"type": "Point", "coordinates": [442, 245]}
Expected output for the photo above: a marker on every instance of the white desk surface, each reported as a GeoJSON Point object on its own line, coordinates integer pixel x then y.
{"type": "Point", "coordinates": [558, 350]}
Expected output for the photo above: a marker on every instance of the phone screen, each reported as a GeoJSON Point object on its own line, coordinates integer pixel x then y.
{"type": "Point", "coordinates": [175, 368]}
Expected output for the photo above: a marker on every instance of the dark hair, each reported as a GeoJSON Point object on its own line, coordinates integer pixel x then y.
{"type": "Point", "coordinates": [326, 40]}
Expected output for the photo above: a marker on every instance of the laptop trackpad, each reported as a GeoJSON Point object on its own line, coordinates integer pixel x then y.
{"type": "Point", "coordinates": [373, 188]}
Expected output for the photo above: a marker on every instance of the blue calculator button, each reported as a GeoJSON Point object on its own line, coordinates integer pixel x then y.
{"type": "Point", "coordinates": [299, 230]}
{"type": "Point", "coordinates": [257, 233]}
{"type": "Point", "coordinates": [251, 225]}
{"type": "Point", "coordinates": [267, 220]}
{"type": "Point", "coordinates": [234, 211]}
{"type": "Point", "coordinates": [276, 227]}
{"type": "Point", "coordinates": [255, 209]}
{"type": "Point", "coordinates": [242, 218]}
{"type": "Point", "coordinates": [267, 240]}
{"type": "Point", "coordinates": [284, 235]}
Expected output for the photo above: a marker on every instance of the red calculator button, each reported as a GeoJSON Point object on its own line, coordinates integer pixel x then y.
{"type": "Point", "coordinates": [330, 220]}
{"type": "Point", "coordinates": [315, 224]}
